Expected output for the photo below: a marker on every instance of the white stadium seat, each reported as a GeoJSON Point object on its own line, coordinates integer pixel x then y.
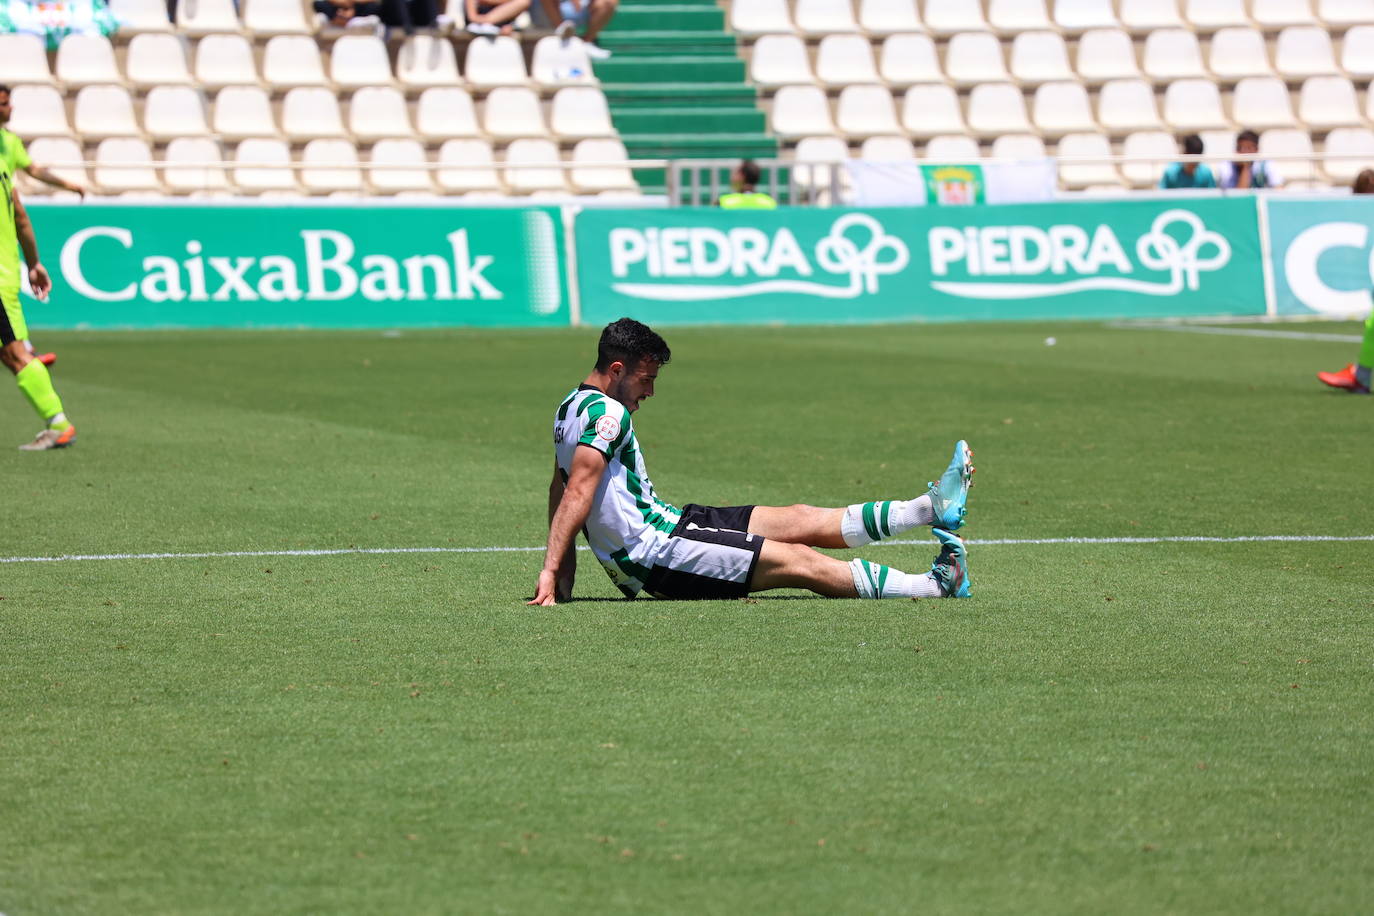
{"type": "Point", "coordinates": [975, 57]}
{"type": "Point", "coordinates": [824, 17]}
{"type": "Point", "coordinates": [202, 17]}
{"type": "Point", "coordinates": [1106, 54]}
{"type": "Point", "coordinates": [1141, 17]}
{"type": "Point", "coordinates": [308, 112]}
{"type": "Point", "coordinates": [1340, 13]}
{"type": "Point", "coordinates": [1076, 175]}
{"type": "Point", "coordinates": [760, 17]}
{"type": "Point", "coordinates": [396, 153]}
{"type": "Point", "coordinates": [816, 167]}
{"type": "Point", "coordinates": [63, 157]}
{"type": "Point", "coordinates": [139, 16]}
{"type": "Point", "coordinates": [175, 111]}
{"type": "Point", "coordinates": [1218, 145]}
{"type": "Point", "coordinates": [359, 60]}
{"type": "Point", "coordinates": [866, 111]}
{"type": "Point", "coordinates": [1013, 17]}
{"type": "Point", "coordinates": [128, 151]}
{"type": "Point", "coordinates": [26, 60]}
{"type": "Point", "coordinates": [105, 111]}
{"type": "Point", "coordinates": [427, 60]}
{"type": "Point", "coordinates": [596, 179]}
{"type": "Point", "coordinates": [543, 152]}
{"type": "Point", "coordinates": [561, 63]}
{"type": "Point", "coordinates": [780, 60]}
{"type": "Point", "coordinates": [1328, 101]}
{"type": "Point", "coordinates": [444, 113]}
{"type": "Point", "coordinates": [1262, 102]}
{"type": "Point", "coordinates": [87, 60]}
{"type": "Point", "coordinates": [1172, 54]}
{"type": "Point", "coordinates": [378, 111]}
{"type": "Point", "coordinates": [1194, 105]}
{"type": "Point", "coordinates": [292, 60]}
{"type": "Point", "coordinates": [843, 60]}
{"type": "Point", "coordinates": [1081, 15]}
{"type": "Point", "coordinates": [1018, 147]}
{"type": "Point", "coordinates": [1304, 51]}
{"type": "Point", "coordinates": [495, 61]}
{"type": "Point", "coordinates": [194, 151]}
{"type": "Point", "coordinates": [264, 152]}
{"type": "Point", "coordinates": [801, 111]}
{"type": "Point", "coordinates": [580, 112]}
{"type": "Point", "coordinates": [951, 148]}
{"type": "Point", "coordinates": [1157, 144]}
{"type": "Point", "coordinates": [1040, 57]}
{"type": "Point", "coordinates": [275, 17]}
{"type": "Point", "coordinates": [1357, 142]}
{"type": "Point", "coordinates": [1062, 108]}
{"type": "Point", "coordinates": [887, 149]}
{"type": "Point", "coordinates": [241, 112]}
{"type": "Point", "coordinates": [946, 17]}
{"type": "Point", "coordinates": [511, 111]}
{"type": "Point", "coordinates": [330, 165]}
{"type": "Point", "coordinates": [1357, 51]}
{"type": "Point", "coordinates": [156, 59]}
{"type": "Point", "coordinates": [889, 17]}
{"type": "Point", "coordinates": [477, 157]}
{"type": "Point", "coordinates": [225, 60]}
{"type": "Point", "coordinates": [1237, 53]}
{"type": "Point", "coordinates": [997, 108]}
{"type": "Point", "coordinates": [908, 59]}
{"type": "Point", "coordinates": [1210, 15]}
{"type": "Point", "coordinates": [1272, 14]}
{"type": "Point", "coordinates": [1127, 105]}
{"type": "Point", "coordinates": [1291, 152]}
{"type": "Point", "coordinates": [932, 109]}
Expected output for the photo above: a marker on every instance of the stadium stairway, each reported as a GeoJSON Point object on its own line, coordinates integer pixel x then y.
{"type": "Point", "coordinates": [677, 88]}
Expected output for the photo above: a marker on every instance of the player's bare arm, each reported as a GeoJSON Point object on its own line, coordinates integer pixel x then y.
{"type": "Point", "coordinates": [567, 571]}
{"type": "Point", "coordinates": [39, 173]}
{"type": "Point", "coordinates": [28, 243]}
{"type": "Point", "coordinates": [575, 505]}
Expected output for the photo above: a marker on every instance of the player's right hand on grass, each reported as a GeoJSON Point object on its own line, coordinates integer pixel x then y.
{"type": "Point", "coordinates": [546, 593]}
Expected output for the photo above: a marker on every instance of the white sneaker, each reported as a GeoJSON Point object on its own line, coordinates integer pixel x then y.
{"type": "Point", "coordinates": [50, 439]}
{"type": "Point", "coordinates": [483, 28]}
{"type": "Point", "coordinates": [594, 51]}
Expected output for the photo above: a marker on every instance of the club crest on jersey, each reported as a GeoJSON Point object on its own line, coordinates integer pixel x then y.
{"type": "Point", "coordinates": [608, 428]}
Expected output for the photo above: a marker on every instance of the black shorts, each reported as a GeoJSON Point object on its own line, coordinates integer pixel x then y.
{"type": "Point", "coordinates": [710, 555]}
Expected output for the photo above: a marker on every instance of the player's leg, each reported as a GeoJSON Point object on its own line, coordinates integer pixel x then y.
{"type": "Point", "coordinates": [599, 12]}
{"type": "Point", "coordinates": [798, 566]}
{"type": "Point", "coordinates": [1356, 376]}
{"type": "Point", "coordinates": [942, 505]}
{"type": "Point", "coordinates": [32, 377]}
{"type": "Point", "coordinates": [46, 359]}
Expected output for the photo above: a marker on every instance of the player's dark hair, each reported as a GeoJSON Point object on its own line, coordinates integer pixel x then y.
{"type": "Point", "coordinates": [1192, 145]}
{"type": "Point", "coordinates": [749, 172]}
{"type": "Point", "coordinates": [5, 89]}
{"type": "Point", "coordinates": [1364, 182]}
{"type": "Point", "coordinates": [1247, 135]}
{"type": "Point", "coordinates": [630, 342]}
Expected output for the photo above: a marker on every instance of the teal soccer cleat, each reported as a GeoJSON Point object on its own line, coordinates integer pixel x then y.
{"type": "Point", "coordinates": [950, 568]}
{"type": "Point", "coordinates": [949, 496]}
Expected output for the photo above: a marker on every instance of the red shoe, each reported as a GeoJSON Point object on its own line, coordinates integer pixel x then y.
{"type": "Point", "coordinates": [1344, 379]}
{"type": "Point", "coordinates": [46, 359]}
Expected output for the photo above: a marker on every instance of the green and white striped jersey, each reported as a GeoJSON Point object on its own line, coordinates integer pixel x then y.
{"type": "Point", "coordinates": [628, 525]}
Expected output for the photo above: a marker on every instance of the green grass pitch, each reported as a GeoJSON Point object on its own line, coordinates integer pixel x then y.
{"type": "Point", "coordinates": [1125, 728]}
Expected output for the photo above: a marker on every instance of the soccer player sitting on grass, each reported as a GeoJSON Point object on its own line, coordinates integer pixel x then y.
{"type": "Point", "coordinates": [34, 381]}
{"type": "Point", "coordinates": [1355, 377]}
{"type": "Point", "coordinates": [600, 486]}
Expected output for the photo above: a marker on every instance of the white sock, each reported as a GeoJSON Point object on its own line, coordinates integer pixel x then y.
{"type": "Point", "coordinates": [864, 523]}
{"type": "Point", "coordinates": [874, 581]}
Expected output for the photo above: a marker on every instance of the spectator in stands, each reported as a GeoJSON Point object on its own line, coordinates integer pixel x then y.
{"type": "Point", "coordinates": [744, 180]}
{"type": "Point", "coordinates": [406, 14]}
{"type": "Point", "coordinates": [1355, 378]}
{"type": "Point", "coordinates": [496, 18]}
{"type": "Point", "coordinates": [1259, 173]}
{"type": "Point", "coordinates": [589, 15]}
{"type": "Point", "coordinates": [1188, 174]}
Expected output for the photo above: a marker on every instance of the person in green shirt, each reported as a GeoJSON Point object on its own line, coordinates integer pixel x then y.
{"type": "Point", "coordinates": [13, 152]}
{"type": "Point", "coordinates": [32, 376]}
{"type": "Point", "coordinates": [1188, 174]}
{"type": "Point", "coordinates": [744, 197]}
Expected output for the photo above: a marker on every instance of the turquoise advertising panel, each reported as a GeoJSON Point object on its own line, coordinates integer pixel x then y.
{"type": "Point", "coordinates": [322, 267]}
{"type": "Point", "coordinates": [1323, 254]}
{"type": "Point", "coordinates": [1092, 259]}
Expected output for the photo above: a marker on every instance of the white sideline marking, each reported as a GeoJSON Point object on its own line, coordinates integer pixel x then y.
{"type": "Point", "coordinates": [384, 551]}
{"type": "Point", "coordinates": [1236, 332]}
